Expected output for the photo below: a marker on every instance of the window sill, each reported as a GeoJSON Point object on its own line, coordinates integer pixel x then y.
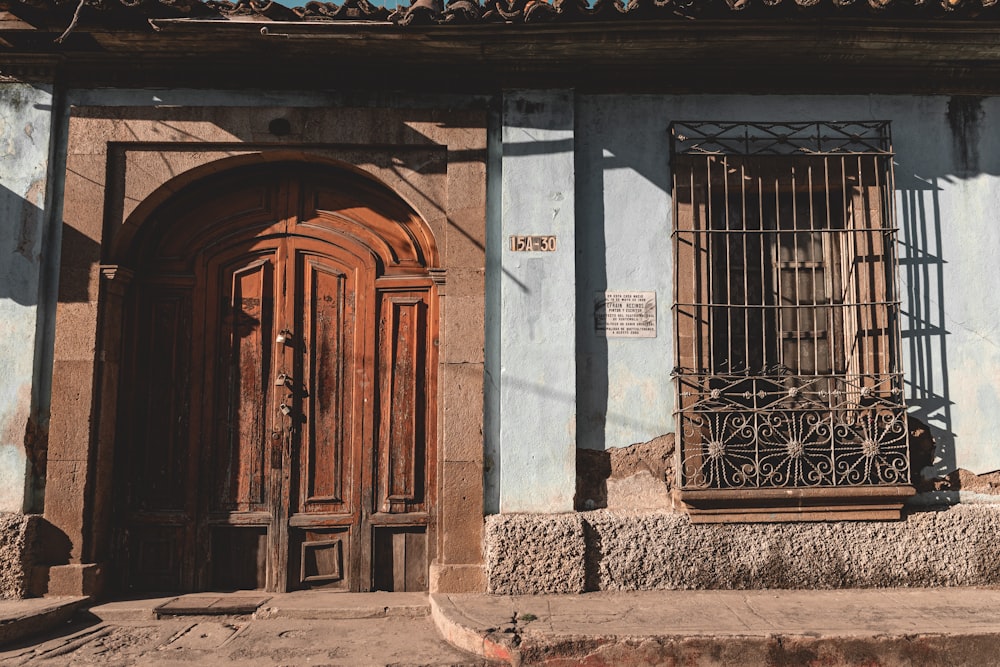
{"type": "Point", "coordinates": [860, 503]}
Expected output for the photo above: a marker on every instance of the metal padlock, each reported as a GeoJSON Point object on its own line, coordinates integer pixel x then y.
{"type": "Point", "coordinates": [282, 380]}
{"type": "Point", "coordinates": [283, 337]}
{"type": "Point", "coordinates": [285, 410]}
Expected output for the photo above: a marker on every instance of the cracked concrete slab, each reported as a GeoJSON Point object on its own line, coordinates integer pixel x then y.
{"type": "Point", "coordinates": [941, 626]}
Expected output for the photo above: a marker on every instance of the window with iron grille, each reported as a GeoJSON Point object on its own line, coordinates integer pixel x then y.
{"type": "Point", "coordinates": [785, 308]}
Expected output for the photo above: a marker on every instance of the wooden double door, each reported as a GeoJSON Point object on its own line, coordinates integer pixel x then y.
{"type": "Point", "coordinates": [278, 424]}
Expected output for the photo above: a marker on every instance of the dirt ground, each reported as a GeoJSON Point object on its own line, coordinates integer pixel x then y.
{"type": "Point", "coordinates": [213, 641]}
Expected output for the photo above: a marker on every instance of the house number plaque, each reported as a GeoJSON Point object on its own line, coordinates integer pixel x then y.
{"type": "Point", "coordinates": [533, 243]}
{"type": "Point", "coordinates": [625, 314]}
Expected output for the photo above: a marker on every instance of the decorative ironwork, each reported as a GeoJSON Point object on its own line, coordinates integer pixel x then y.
{"type": "Point", "coordinates": [785, 309]}
{"type": "Point", "coordinates": [764, 431]}
{"type": "Point", "coordinates": [790, 138]}
{"type": "Point", "coordinates": [406, 13]}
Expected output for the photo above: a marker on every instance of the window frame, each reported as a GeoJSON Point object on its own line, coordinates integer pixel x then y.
{"type": "Point", "coordinates": [775, 442]}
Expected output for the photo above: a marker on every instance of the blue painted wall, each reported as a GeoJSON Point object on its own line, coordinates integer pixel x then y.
{"type": "Point", "coordinates": [947, 171]}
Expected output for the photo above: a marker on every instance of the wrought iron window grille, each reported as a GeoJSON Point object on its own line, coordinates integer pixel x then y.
{"type": "Point", "coordinates": [785, 306]}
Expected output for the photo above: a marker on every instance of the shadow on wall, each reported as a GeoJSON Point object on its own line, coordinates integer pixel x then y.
{"type": "Point", "coordinates": [597, 153]}
{"type": "Point", "coordinates": [22, 275]}
{"type": "Point", "coordinates": [922, 328]}
{"type": "Point", "coordinates": [22, 224]}
{"type": "Point", "coordinates": [591, 276]}
{"type": "Point", "coordinates": [22, 232]}
{"type": "Point", "coordinates": [922, 272]}
{"type": "Point", "coordinates": [50, 546]}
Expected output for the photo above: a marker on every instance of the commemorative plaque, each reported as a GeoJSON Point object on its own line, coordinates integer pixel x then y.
{"type": "Point", "coordinates": [625, 314]}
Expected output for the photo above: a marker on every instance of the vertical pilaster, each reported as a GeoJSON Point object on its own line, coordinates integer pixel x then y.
{"type": "Point", "coordinates": [26, 103]}
{"type": "Point", "coordinates": [537, 304]}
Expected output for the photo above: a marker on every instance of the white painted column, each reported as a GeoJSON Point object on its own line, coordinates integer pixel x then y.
{"type": "Point", "coordinates": [537, 305]}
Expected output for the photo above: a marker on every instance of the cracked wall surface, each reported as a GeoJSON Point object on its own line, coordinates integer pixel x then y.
{"type": "Point", "coordinates": [639, 476]}
{"type": "Point", "coordinates": [616, 550]}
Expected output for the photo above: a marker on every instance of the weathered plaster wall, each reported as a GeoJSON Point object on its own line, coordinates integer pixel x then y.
{"type": "Point", "coordinates": [537, 312]}
{"type": "Point", "coordinates": [607, 550]}
{"type": "Point", "coordinates": [948, 190]}
{"type": "Point", "coordinates": [25, 120]}
{"type": "Point", "coordinates": [623, 228]}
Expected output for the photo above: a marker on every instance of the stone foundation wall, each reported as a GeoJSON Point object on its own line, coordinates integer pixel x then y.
{"type": "Point", "coordinates": [15, 536]}
{"type": "Point", "coordinates": [617, 550]}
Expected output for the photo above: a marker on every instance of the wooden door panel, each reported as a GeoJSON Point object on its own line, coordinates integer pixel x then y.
{"type": "Point", "coordinates": [245, 379]}
{"type": "Point", "coordinates": [401, 558]}
{"type": "Point", "coordinates": [322, 558]}
{"type": "Point", "coordinates": [228, 489]}
{"type": "Point", "coordinates": [155, 554]}
{"type": "Point", "coordinates": [160, 445]}
{"type": "Point", "coordinates": [327, 466]}
{"type": "Point", "coordinates": [402, 336]}
{"type": "Point", "coordinates": [239, 558]}
{"type": "Point", "coordinates": [156, 451]}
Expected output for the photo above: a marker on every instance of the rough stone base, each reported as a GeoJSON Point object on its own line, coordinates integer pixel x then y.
{"type": "Point", "coordinates": [607, 550]}
{"type": "Point", "coordinates": [15, 565]}
{"type": "Point", "coordinates": [534, 553]}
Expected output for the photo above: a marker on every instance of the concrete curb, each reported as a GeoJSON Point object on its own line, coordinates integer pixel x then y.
{"type": "Point", "coordinates": [542, 650]}
{"type": "Point", "coordinates": [23, 618]}
{"type": "Point", "coordinates": [929, 628]}
{"type": "Point", "coordinates": [971, 650]}
{"type": "Point", "coordinates": [445, 615]}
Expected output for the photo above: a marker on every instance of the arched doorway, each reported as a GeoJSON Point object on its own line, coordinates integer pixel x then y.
{"type": "Point", "coordinates": [277, 420]}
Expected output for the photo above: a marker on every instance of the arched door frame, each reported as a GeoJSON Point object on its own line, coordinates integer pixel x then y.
{"type": "Point", "coordinates": [404, 251]}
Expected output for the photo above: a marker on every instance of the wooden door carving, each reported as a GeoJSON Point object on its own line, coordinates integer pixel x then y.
{"type": "Point", "coordinates": [279, 423]}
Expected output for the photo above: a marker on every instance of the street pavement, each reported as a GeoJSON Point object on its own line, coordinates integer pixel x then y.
{"type": "Point", "coordinates": [941, 627]}
{"type": "Point", "coordinates": [321, 630]}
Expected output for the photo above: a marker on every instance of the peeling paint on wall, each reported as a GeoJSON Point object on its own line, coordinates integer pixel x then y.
{"type": "Point", "coordinates": [13, 464]}
{"type": "Point", "coordinates": [13, 457]}
{"type": "Point", "coordinates": [31, 221]}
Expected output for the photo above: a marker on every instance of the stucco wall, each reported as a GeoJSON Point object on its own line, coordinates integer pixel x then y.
{"type": "Point", "coordinates": [948, 190]}
{"type": "Point", "coordinates": [537, 365]}
{"type": "Point", "coordinates": [25, 113]}
{"type": "Point", "coordinates": [607, 550]}
{"type": "Point", "coordinates": [947, 173]}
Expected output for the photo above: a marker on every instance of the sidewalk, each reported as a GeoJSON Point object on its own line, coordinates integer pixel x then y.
{"type": "Point", "coordinates": [919, 627]}
{"type": "Point", "coordinates": [248, 629]}
{"type": "Point", "coordinates": [22, 618]}
{"type": "Point", "coordinates": [914, 627]}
